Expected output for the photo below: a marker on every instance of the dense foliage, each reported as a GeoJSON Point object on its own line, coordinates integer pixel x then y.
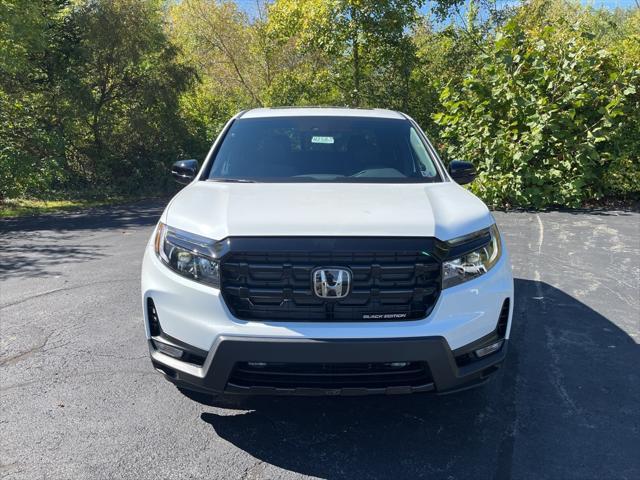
{"type": "Point", "coordinates": [102, 95]}
{"type": "Point", "coordinates": [543, 116]}
{"type": "Point", "coordinates": [89, 96]}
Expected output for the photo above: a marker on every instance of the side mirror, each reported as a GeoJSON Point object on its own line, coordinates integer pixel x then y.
{"type": "Point", "coordinates": [462, 172]}
{"type": "Point", "coordinates": [184, 171]}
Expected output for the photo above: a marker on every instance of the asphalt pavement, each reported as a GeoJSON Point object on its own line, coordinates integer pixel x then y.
{"type": "Point", "coordinates": [80, 400]}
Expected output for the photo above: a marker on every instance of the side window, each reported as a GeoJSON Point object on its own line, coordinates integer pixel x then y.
{"type": "Point", "coordinates": [426, 164]}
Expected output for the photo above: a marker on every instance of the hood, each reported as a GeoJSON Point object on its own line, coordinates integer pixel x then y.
{"type": "Point", "coordinates": [218, 210]}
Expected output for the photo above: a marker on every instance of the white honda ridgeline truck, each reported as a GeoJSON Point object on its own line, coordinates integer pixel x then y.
{"type": "Point", "coordinates": [326, 251]}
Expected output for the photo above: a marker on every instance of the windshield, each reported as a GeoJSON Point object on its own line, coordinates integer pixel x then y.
{"type": "Point", "coordinates": [323, 149]}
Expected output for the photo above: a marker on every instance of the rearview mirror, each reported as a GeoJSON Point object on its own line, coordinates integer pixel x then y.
{"type": "Point", "coordinates": [462, 172]}
{"type": "Point", "coordinates": [184, 171]}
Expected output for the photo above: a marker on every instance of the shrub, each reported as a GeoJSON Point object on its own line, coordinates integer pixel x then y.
{"type": "Point", "coordinates": [542, 117]}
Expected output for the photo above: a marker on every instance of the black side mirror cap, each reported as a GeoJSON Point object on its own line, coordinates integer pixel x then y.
{"type": "Point", "coordinates": [184, 171]}
{"type": "Point", "coordinates": [462, 172]}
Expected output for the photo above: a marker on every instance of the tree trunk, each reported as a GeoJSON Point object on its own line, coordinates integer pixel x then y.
{"type": "Point", "coordinates": [356, 59]}
{"type": "Point", "coordinates": [356, 72]}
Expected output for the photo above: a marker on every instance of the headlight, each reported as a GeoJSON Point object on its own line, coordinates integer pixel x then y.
{"type": "Point", "coordinates": [473, 264]}
{"type": "Point", "coordinates": [187, 254]}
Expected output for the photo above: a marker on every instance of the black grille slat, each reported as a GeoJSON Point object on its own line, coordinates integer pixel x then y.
{"type": "Point", "coordinates": [414, 371]}
{"type": "Point", "coordinates": [276, 285]}
{"type": "Point", "coordinates": [287, 382]}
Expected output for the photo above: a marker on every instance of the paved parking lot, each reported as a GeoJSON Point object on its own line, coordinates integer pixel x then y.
{"type": "Point", "coordinates": [79, 398]}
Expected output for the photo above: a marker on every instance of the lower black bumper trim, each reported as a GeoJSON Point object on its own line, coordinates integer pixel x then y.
{"type": "Point", "coordinates": [446, 375]}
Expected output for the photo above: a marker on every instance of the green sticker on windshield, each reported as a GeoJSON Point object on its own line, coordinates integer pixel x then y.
{"type": "Point", "coordinates": [315, 139]}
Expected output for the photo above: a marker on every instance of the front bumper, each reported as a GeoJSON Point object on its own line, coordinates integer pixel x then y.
{"type": "Point", "coordinates": [216, 373]}
{"type": "Point", "coordinates": [195, 316]}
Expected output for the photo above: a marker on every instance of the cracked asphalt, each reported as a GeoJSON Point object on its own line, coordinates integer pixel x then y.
{"type": "Point", "coordinates": [80, 400]}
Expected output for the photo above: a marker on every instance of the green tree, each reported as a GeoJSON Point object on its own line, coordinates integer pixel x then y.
{"type": "Point", "coordinates": [366, 44]}
{"type": "Point", "coordinates": [88, 96]}
{"type": "Point", "coordinates": [217, 39]}
{"type": "Point", "coordinates": [234, 60]}
{"type": "Point", "coordinates": [444, 57]}
{"type": "Point", "coordinates": [103, 94]}
{"type": "Point", "coordinates": [623, 176]}
{"type": "Point", "coordinates": [124, 83]}
{"type": "Point", "coordinates": [541, 117]}
{"type": "Point", "coordinates": [32, 55]}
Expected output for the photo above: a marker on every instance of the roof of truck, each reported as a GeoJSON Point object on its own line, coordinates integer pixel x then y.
{"type": "Point", "coordinates": [321, 112]}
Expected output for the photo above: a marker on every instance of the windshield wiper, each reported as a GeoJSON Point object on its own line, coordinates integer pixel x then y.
{"type": "Point", "coordinates": [232, 180]}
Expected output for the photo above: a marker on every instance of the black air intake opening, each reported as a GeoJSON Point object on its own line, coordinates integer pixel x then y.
{"type": "Point", "coordinates": [152, 318]}
{"type": "Point", "coordinates": [331, 375]}
{"type": "Point", "coordinates": [503, 319]}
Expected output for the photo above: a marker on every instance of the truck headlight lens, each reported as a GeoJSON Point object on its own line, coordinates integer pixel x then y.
{"type": "Point", "coordinates": [187, 254]}
{"type": "Point", "coordinates": [473, 264]}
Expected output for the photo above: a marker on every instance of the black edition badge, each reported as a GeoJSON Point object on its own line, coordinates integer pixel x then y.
{"type": "Point", "coordinates": [383, 316]}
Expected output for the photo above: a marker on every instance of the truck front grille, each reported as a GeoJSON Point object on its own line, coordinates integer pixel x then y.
{"type": "Point", "coordinates": [393, 279]}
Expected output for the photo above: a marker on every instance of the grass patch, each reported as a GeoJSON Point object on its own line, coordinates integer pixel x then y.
{"type": "Point", "coordinates": [18, 207]}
